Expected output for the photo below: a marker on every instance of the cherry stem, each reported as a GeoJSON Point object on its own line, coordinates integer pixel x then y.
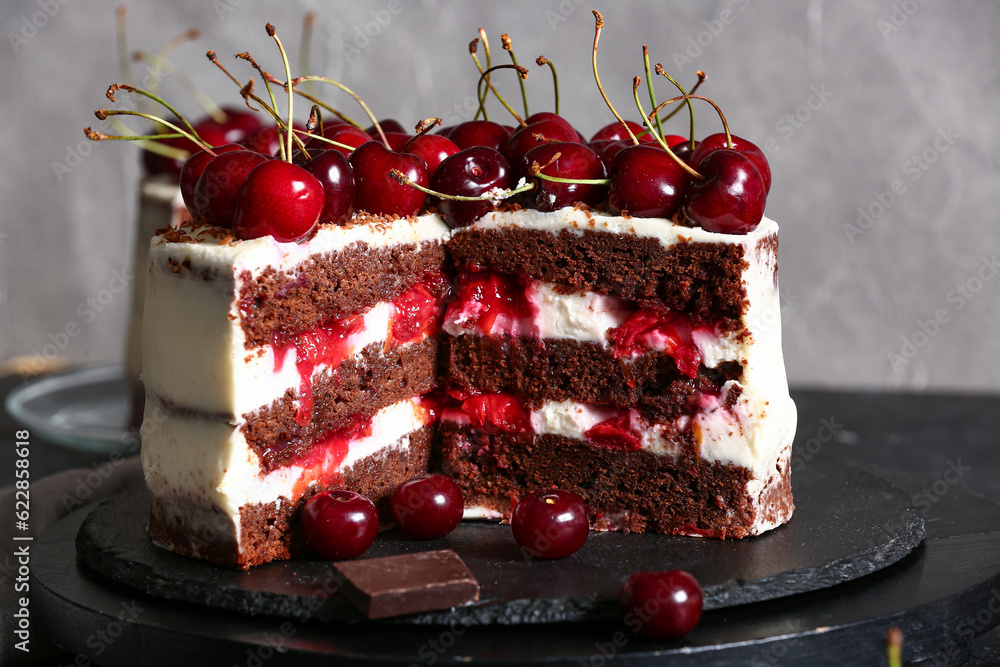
{"type": "Point", "coordinates": [599, 26]}
{"type": "Point", "coordinates": [696, 86]}
{"type": "Point", "coordinates": [577, 181]}
{"type": "Point", "coordinates": [401, 178]}
{"type": "Point", "coordinates": [121, 40]}
{"type": "Point", "coordinates": [104, 113]}
{"type": "Point", "coordinates": [149, 142]}
{"type": "Point", "coordinates": [647, 120]}
{"type": "Point", "coordinates": [364, 107]}
{"type": "Point", "coordinates": [168, 48]}
{"type": "Point", "coordinates": [318, 137]}
{"type": "Point", "coordinates": [288, 89]}
{"type": "Point", "coordinates": [335, 112]}
{"type": "Point", "coordinates": [113, 88]}
{"type": "Point", "coordinates": [245, 55]}
{"type": "Point", "coordinates": [649, 84]}
{"type": "Point", "coordinates": [542, 60]}
{"type": "Point", "coordinates": [521, 72]}
{"type": "Point", "coordinates": [422, 128]}
{"type": "Point", "coordinates": [505, 41]}
{"type": "Point", "coordinates": [315, 120]}
{"type": "Point", "coordinates": [207, 104]}
{"type": "Point", "coordinates": [662, 72]}
{"type": "Point", "coordinates": [305, 44]}
{"type": "Point", "coordinates": [729, 138]}
{"type": "Point", "coordinates": [473, 47]}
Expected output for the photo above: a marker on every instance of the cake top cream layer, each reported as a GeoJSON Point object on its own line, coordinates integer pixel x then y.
{"type": "Point", "coordinates": [215, 249]}
{"type": "Point", "coordinates": [667, 232]}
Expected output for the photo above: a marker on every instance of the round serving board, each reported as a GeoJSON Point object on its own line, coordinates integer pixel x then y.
{"type": "Point", "coordinates": [847, 524]}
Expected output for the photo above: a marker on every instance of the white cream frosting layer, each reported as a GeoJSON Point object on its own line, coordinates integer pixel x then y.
{"type": "Point", "coordinates": [191, 459]}
{"type": "Point", "coordinates": [194, 349]}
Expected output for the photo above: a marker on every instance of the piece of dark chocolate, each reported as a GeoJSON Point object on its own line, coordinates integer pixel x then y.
{"type": "Point", "coordinates": [407, 584]}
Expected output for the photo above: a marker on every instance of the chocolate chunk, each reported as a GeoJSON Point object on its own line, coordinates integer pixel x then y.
{"type": "Point", "coordinates": [407, 584]}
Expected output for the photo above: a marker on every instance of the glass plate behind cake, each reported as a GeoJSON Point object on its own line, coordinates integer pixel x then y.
{"type": "Point", "coordinates": [85, 409]}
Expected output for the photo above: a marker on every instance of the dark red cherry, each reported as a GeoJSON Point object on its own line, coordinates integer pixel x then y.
{"type": "Point", "coordinates": [662, 605]}
{"type": "Point", "coordinates": [683, 150]}
{"type": "Point", "coordinates": [264, 140]}
{"type": "Point", "coordinates": [479, 133]}
{"type": "Point", "coordinates": [388, 125]}
{"type": "Point", "coordinates": [555, 118]}
{"type": "Point", "coordinates": [616, 132]}
{"type": "Point", "coordinates": [156, 164]}
{"type": "Point", "coordinates": [344, 134]}
{"type": "Point", "coordinates": [279, 199]}
{"type": "Point", "coordinates": [218, 189]}
{"type": "Point", "coordinates": [239, 123]}
{"type": "Point", "coordinates": [192, 170]}
{"type": "Point", "coordinates": [575, 161]}
{"type": "Point", "coordinates": [469, 173]}
{"type": "Point", "coordinates": [335, 174]}
{"type": "Point", "coordinates": [339, 524]}
{"type": "Point", "coordinates": [647, 183]}
{"type": "Point", "coordinates": [396, 139]}
{"type": "Point", "coordinates": [536, 134]}
{"type": "Point", "coordinates": [550, 523]}
{"type": "Point", "coordinates": [375, 191]}
{"type": "Point", "coordinates": [714, 142]}
{"type": "Point", "coordinates": [427, 507]}
{"type": "Point", "coordinates": [433, 148]}
{"type": "Point", "coordinates": [732, 196]}
{"type": "Point", "coordinates": [611, 150]}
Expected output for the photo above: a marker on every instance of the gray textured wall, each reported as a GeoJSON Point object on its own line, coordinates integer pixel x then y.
{"type": "Point", "coordinates": [853, 100]}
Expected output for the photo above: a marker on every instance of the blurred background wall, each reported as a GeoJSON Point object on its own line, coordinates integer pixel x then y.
{"type": "Point", "coordinates": [879, 119]}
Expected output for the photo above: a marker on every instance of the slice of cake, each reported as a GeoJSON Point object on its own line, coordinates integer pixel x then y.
{"type": "Point", "coordinates": [635, 362]}
{"type": "Point", "coordinates": [277, 370]}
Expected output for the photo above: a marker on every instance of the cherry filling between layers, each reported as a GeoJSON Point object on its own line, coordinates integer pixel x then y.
{"type": "Point", "coordinates": [409, 318]}
{"type": "Point", "coordinates": [494, 304]}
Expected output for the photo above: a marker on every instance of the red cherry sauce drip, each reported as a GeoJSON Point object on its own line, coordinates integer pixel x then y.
{"type": "Point", "coordinates": [323, 460]}
{"type": "Point", "coordinates": [416, 313]}
{"type": "Point", "coordinates": [485, 296]}
{"type": "Point", "coordinates": [498, 413]}
{"type": "Point", "coordinates": [614, 433]}
{"type": "Point", "coordinates": [656, 326]}
{"type": "Point", "coordinates": [326, 344]}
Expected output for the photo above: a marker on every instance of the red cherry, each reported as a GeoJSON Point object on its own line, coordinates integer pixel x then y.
{"type": "Point", "coordinates": [479, 133]}
{"type": "Point", "coordinates": [667, 605]}
{"type": "Point", "coordinates": [616, 132]}
{"type": "Point", "coordinates": [344, 134]}
{"type": "Point", "coordinates": [192, 170]}
{"type": "Point", "coordinates": [397, 139]}
{"type": "Point", "coordinates": [575, 161]}
{"type": "Point", "coordinates": [550, 523]}
{"type": "Point", "coordinates": [433, 148]}
{"type": "Point", "coordinates": [682, 149]}
{"type": "Point", "coordinates": [427, 507]}
{"type": "Point", "coordinates": [334, 173]}
{"type": "Point", "coordinates": [469, 173]}
{"type": "Point", "coordinates": [611, 149]}
{"type": "Point", "coordinates": [530, 136]}
{"type": "Point", "coordinates": [647, 183]}
{"type": "Point", "coordinates": [484, 297]}
{"type": "Point", "coordinates": [218, 189]}
{"type": "Point", "coordinates": [555, 118]}
{"type": "Point", "coordinates": [339, 524]}
{"type": "Point", "coordinates": [388, 125]}
{"type": "Point", "coordinates": [379, 193]}
{"type": "Point", "coordinates": [732, 196]}
{"type": "Point", "coordinates": [279, 199]}
{"type": "Point", "coordinates": [714, 142]}
{"type": "Point", "coordinates": [498, 413]}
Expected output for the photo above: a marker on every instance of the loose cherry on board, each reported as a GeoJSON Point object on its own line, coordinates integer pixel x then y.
{"type": "Point", "coordinates": [427, 507]}
{"type": "Point", "coordinates": [279, 199]}
{"type": "Point", "coordinates": [732, 196]}
{"type": "Point", "coordinates": [469, 173]}
{"type": "Point", "coordinates": [339, 524]}
{"type": "Point", "coordinates": [662, 605]}
{"type": "Point", "coordinates": [647, 183]}
{"type": "Point", "coordinates": [379, 193]}
{"type": "Point", "coordinates": [550, 523]}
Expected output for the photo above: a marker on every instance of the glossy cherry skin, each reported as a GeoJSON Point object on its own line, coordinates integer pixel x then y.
{"type": "Point", "coordinates": [279, 199]}
{"type": "Point", "coordinates": [339, 524]}
{"type": "Point", "coordinates": [335, 174]}
{"type": "Point", "coordinates": [530, 136]}
{"type": "Point", "coordinates": [555, 118]}
{"type": "Point", "coordinates": [731, 198]}
{"type": "Point", "coordinates": [192, 170]}
{"type": "Point", "coordinates": [550, 523]}
{"type": "Point", "coordinates": [218, 189]}
{"type": "Point", "coordinates": [427, 507]}
{"type": "Point", "coordinates": [469, 173]}
{"type": "Point", "coordinates": [388, 125]}
{"type": "Point", "coordinates": [433, 148]}
{"type": "Point", "coordinates": [234, 129]}
{"type": "Point", "coordinates": [375, 191]}
{"type": "Point", "coordinates": [575, 161]}
{"type": "Point", "coordinates": [344, 134]}
{"type": "Point", "coordinates": [714, 142]}
{"type": "Point", "coordinates": [397, 139]}
{"type": "Point", "coordinates": [479, 133]}
{"type": "Point", "coordinates": [662, 605]}
{"type": "Point", "coordinates": [647, 183]}
{"type": "Point", "coordinates": [616, 132]}
{"type": "Point", "coordinates": [683, 149]}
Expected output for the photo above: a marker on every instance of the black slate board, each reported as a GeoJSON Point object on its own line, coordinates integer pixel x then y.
{"type": "Point", "coordinates": [847, 524]}
{"type": "Point", "coordinates": [931, 595]}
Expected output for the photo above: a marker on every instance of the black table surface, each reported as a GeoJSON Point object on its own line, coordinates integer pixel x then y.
{"type": "Point", "coordinates": [937, 435]}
